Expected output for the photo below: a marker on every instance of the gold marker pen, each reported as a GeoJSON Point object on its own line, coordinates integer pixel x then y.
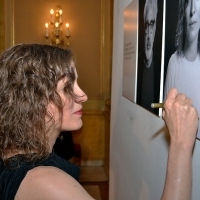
{"type": "Point", "coordinates": [157, 105]}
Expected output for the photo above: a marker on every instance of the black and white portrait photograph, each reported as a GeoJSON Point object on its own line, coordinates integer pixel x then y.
{"type": "Point", "coordinates": [182, 57]}
{"type": "Point", "coordinates": [149, 53]}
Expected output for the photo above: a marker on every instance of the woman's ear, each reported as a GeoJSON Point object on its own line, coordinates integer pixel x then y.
{"type": "Point", "coordinates": [50, 113]}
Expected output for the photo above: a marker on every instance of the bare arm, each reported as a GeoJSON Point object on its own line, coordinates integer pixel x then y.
{"type": "Point", "coordinates": [182, 120]}
{"type": "Point", "coordinates": [50, 183]}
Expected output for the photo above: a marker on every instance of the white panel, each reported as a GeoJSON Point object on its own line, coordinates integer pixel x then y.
{"type": "Point", "coordinates": [139, 140]}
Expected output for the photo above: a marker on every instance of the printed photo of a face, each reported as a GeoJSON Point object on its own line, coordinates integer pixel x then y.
{"type": "Point", "coordinates": [149, 53]}
{"type": "Point", "coordinates": [150, 29]}
{"type": "Point", "coordinates": [192, 22]}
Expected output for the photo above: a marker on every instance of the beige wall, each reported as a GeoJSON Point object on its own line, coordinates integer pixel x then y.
{"type": "Point", "coordinates": [84, 18]}
{"type": "Point", "coordinates": [2, 27]}
{"type": "Point", "coordinates": [90, 29]}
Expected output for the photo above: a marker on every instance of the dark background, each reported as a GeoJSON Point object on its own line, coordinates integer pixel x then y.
{"type": "Point", "coordinates": [170, 31]}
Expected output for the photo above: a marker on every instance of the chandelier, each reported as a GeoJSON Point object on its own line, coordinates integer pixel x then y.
{"type": "Point", "coordinates": [56, 29]}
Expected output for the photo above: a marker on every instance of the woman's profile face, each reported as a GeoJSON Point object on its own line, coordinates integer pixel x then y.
{"type": "Point", "coordinates": [71, 119]}
{"type": "Point", "coordinates": [192, 20]}
{"type": "Point", "coordinates": [72, 110]}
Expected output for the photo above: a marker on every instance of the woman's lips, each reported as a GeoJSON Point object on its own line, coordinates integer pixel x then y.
{"type": "Point", "coordinates": [192, 23]}
{"type": "Point", "coordinates": [148, 45]}
{"type": "Point", "coordinates": [79, 112]}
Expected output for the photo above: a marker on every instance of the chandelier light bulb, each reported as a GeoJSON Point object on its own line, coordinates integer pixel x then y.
{"type": "Point", "coordinates": [46, 30]}
{"type": "Point", "coordinates": [51, 11]}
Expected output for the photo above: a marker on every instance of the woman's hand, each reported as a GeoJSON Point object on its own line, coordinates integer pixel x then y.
{"type": "Point", "coordinates": [181, 119]}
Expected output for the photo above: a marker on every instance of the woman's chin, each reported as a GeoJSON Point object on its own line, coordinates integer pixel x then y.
{"type": "Point", "coordinates": [73, 128]}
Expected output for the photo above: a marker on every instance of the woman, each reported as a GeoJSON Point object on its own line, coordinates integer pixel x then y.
{"type": "Point", "coordinates": [39, 98]}
{"type": "Point", "coordinates": [183, 70]}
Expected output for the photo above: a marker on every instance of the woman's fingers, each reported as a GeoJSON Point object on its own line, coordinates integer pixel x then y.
{"type": "Point", "coordinates": [181, 118]}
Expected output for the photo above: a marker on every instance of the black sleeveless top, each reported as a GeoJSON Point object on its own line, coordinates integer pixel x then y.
{"type": "Point", "coordinates": [12, 174]}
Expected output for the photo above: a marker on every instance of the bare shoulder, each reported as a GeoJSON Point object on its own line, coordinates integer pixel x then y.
{"type": "Point", "coordinates": [47, 182]}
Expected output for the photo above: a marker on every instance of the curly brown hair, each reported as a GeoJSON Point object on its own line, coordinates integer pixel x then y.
{"type": "Point", "coordinates": [29, 74]}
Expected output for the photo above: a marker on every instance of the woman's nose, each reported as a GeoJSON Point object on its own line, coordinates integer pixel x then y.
{"type": "Point", "coordinates": [192, 8]}
{"type": "Point", "coordinates": [82, 97]}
